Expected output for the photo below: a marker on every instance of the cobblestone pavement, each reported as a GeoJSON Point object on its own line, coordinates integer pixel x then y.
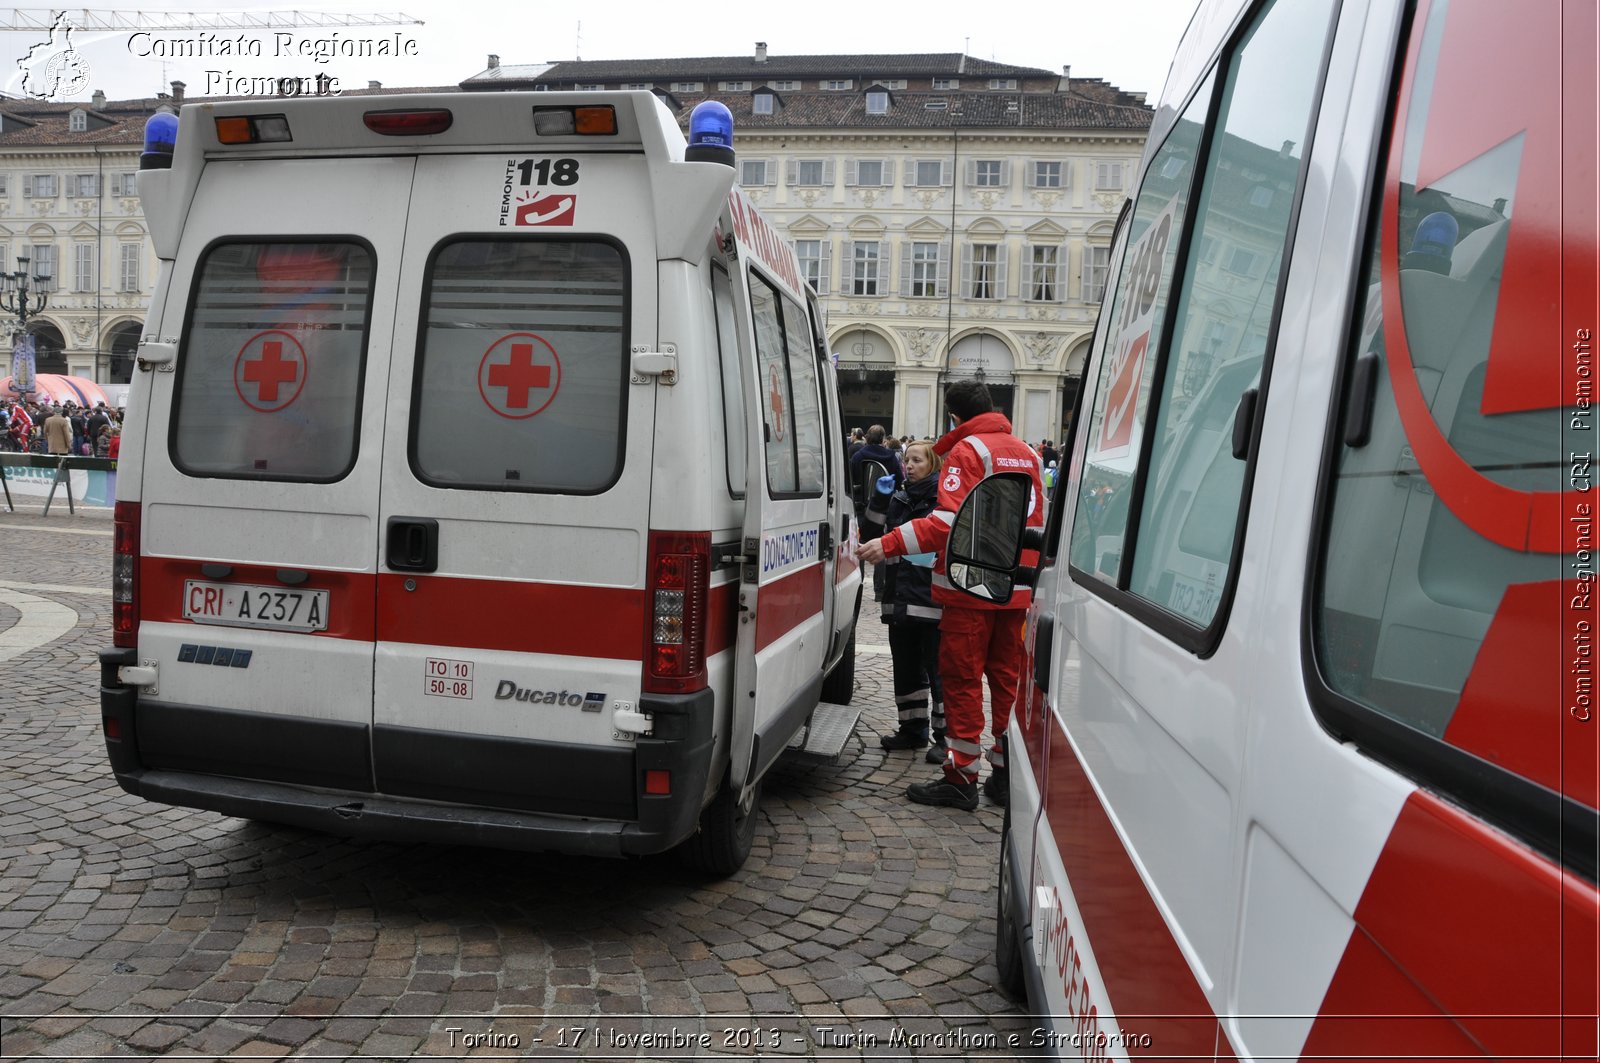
{"type": "Point", "coordinates": [861, 927]}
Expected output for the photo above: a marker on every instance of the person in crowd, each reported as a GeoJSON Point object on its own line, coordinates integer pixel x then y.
{"type": "Point", "coordinates": [868, 467]}
{"type": "Point", "coordinates": [908, 608]}
{"type": "Point", "coordinates": [978, 639]}
{"type": "Point", "coordinates": [58, 433]}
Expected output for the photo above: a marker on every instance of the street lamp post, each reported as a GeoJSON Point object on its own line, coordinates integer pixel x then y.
{"type": "Point", "coordinates": [20, 298]}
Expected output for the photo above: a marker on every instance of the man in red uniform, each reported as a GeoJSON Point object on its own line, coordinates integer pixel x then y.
{"type": "Point", "coordinates": [976, 638]}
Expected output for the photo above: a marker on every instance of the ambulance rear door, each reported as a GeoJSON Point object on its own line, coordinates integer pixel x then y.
{"type": "Point", "coordinates": [256, 578]}
{"type": "Point", "coordinates": [515, 496]}
{"type": "Point", "coordinates": [786, 583]}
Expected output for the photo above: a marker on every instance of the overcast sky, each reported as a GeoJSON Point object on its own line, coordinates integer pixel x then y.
{"type": "Point", "coordinates": [1126, 42]}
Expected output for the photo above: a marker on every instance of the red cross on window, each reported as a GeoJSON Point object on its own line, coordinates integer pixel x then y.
{"type": "Point", "coordinates": [519, 376]}
{"type": "Point", "coordinates": [271, 370]}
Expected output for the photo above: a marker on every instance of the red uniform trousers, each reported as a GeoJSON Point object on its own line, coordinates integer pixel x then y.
{"type": "Point", "coordinates": [974, 643]}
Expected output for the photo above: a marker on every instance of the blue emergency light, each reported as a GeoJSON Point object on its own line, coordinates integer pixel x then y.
{"type": "Point", "coordinates": [710, 134]}
{"type": "Point", "coordinates": [160, 138]}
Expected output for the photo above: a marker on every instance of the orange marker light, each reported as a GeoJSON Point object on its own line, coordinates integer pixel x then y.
{"type": "Point", "coordinates": [234, 131]}
{"type": "Point", "coordinates": [597, 121]}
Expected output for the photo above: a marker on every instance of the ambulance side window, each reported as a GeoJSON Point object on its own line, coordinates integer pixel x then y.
{"type": "Point", "coordinates": [1453, 619]}
{"type": "Point", "coordinates": [1162, 526]}
{"type": "Point", "coordinates": [733, 416]}
{"type": "Point", "coordinates": [522, 366]}
{"type": "Point", "coordinates": [791, 404]}
{"type": "Point", "coordinates": [269, 379]}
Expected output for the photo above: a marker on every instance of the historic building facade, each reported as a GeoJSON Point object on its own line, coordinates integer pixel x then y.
{"type": "Point", "coordinates": [69, 204]}
{"type": "Point", "coordinates": [954, 214]}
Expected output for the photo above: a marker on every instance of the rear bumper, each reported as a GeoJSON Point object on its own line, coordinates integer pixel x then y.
{"type": "Point", "coordinates": [464, 790]}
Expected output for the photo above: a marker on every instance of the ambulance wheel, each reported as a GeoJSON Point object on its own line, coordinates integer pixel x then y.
{"type": "Point", "coordinates": [839, 685]}
{"type": "Point", "coordinates": [722, 844]}
{"type": "Point", "coordinates": [1007, 925]}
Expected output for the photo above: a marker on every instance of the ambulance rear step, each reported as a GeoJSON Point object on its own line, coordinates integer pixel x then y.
{"type": "Point", "coordinates": [824, 738]}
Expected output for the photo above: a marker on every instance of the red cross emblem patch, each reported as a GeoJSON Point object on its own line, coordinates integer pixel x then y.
{"type": "Point", "coordinates": [270, 371]}
{"type": "Point", "coordinates": [519, 375]}
{"type": "Point", "coordinates": [775, 402]}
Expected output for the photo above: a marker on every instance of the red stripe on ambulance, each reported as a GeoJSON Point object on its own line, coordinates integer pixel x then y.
{"type": "Point", "coordinates": [1477, 919]}
{"type": "Point", "coordinates": [786, 603]}
{"type": "Point", "coordinates": [1150, 984]}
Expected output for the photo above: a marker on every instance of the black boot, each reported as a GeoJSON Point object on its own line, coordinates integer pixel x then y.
{"type": "Point", "coordinates": [910, 736]}
{"type": "Point", "coordinates": [997, 787]}
{"type": "Point", "coordinates": [936, 754]}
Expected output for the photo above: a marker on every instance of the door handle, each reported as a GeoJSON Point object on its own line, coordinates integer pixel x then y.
{"type": "Point", "coordinates": [1044, 637]}
{"type": "Point", "coordinates": [412, 544]}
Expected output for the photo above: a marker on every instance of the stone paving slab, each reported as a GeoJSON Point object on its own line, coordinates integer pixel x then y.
{"type": "Point", "coordinates": [860, 928]}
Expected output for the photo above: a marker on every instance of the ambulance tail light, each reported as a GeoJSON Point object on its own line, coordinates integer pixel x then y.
{"type": "Point", "coordinates": [125, 575]}
{"type": "Point", "coordinates": [253, 129]}
{"type": "Point", "coordinates": [680, 592]}
{"type": "Point", "coordinates": [409, 123]}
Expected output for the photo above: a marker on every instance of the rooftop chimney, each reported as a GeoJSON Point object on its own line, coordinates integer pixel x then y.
{"type": "Point", "coordinates": [98, 100]}
{"type": "Point", "coordinates": [761, 51]}
{"type": "Point", "coordinates": [494, 62]}
{"type": "Point", "coordinates": [177, 91]}
{"type": "Point", "coordinates": [374, 84]}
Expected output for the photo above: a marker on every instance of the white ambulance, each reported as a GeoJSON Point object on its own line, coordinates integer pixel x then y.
{"type": "Point", "coordinates": [1305, 760]}
{"type": "Point", "coordinates": [483, 479]}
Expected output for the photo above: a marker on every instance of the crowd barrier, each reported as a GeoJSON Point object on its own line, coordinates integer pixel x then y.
{"type": "Point", "coordinates": [91, 481]}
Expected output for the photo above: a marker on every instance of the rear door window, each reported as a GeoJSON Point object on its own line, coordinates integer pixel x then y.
{"type": "Point", "coordinates": [792, 406]}
{"type": "Point", "coordinates": [270, 366]}
{"type": "Point", "coordinates": [521, 380]}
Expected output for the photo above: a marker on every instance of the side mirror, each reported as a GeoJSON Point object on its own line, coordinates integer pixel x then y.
{"type": "Point", "coordinates": [986, 540]}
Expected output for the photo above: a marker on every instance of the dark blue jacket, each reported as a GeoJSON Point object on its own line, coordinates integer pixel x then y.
{"type": "Point", "coordinates": [907, 595]}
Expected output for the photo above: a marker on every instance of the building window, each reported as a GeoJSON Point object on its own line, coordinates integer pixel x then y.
{"type": "Point", "coordinates": [83, 268]}
{"type": "Point", "coordinates": [896, 83]}
{"type": "Point", "coordinates": [83, 185]}
{"type": "Point", "coordinates": [77, 121]}
{"type": "Point", "coordinates": [637, 86]}
{"type": "Point", "coordinates": [43, 264]}
{"type": "Point", "coordinates": [761, 103]}
{"type": "Point", "coordinates": [1261, 196]}
{"type": "Point", "coordinates": [40, 185]}
{"type": "Point", "coordinates": [688, 86]}
{"type": "Point", "coordinates": [931, 173]}
{"type": "Point", "coordinates": [1242, 262]}
{"type": "Point", "coordinates": [987, 173]}
{"type": "Point", "coordinates": [588, 86]}
{"type": "Point", "coordinates": [837, 84]}
{"type": "Point", "coordinates": [983, 271]}
{"type": "Point", "coordinates": [734, 86]}
{"type": "Point", "coordinates": [124, 184]}
{"type": "Point", "coordinates": [946, 84]}
{"type": "Point", "coordinates": [1045, 173]}
{"type": "Point", "coordinates": [1002, 83]}
{"type": "Point", "coordinates": [1044, 273]}
{"type": "Point", "coordinates": [754, 173]}
{"type": "Point", "coordinates": [865, 258]}
{"type": "Point", "coordinates": [2, 184]}
{"type": "Point", "coordinates": [813, 255]}
{"type": "Point", "coordinates": [1108, 176]}
{"type": "Point", "coordinates": [869, 173]}
{"type": "Point", "coordinates": [1096, 261]}
{"type": "Point", "coordinates": [784, 86]}
{"type": "Point", "coordinates": [927, 276]}
{"type": "Point", "coordinates": [810, 173]}
{"type": "Point", "coordinates": [877, 103]}
{"type": "Point", "coordinates": [130, 280]}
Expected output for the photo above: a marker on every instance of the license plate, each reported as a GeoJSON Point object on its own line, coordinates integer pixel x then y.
{"type": "Point", "coordinates": [253, 605]}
